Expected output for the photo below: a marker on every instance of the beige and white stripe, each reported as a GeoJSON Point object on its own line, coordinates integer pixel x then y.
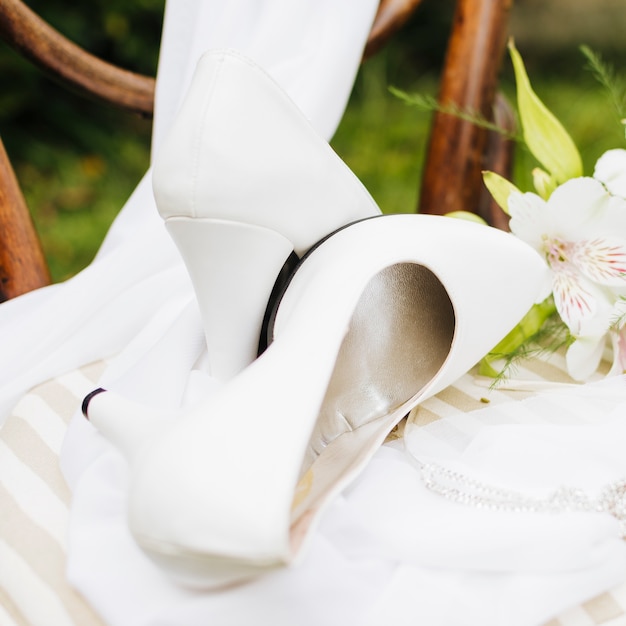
{"type": "Point", "coordinates": [34, 500]}
{"type": "Point", "coordinates": [35, 508]}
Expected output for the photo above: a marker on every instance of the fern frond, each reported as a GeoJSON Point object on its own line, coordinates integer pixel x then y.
{"type": "Point", "coordinates": [551, 337]}
{"type": "Point", "coordinates": [430, 104]}
{"type": "Point", "coordinates": [605, 74]}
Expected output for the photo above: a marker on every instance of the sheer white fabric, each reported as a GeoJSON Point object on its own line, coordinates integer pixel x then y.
{"type": "Point", "coordinates": [313, 49]}
{"type": "Point", "coordinates": [388, 551]}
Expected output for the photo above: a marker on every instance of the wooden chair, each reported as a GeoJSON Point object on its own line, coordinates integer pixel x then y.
{"type": "Point", "coordinates": [456, 153]}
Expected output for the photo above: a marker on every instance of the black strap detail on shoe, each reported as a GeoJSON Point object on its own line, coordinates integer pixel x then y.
{"type": "Point", "coordinates": [282, 280]}
{"type": "Point", "coordinates": [287, 272]}
{"type": "Point", "coordinates": [88, 398]}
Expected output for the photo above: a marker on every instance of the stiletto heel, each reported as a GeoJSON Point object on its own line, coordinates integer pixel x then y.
{"type": "Point", "coordinates": [233, 267]}
{"type": "Point", "coordinates": [241, 151]}
{"type": "Point", "coordinates": [377, 318]}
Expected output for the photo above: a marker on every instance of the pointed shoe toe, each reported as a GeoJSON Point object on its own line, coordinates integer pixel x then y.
{"type": "Point", "coordinates": [378, 317]}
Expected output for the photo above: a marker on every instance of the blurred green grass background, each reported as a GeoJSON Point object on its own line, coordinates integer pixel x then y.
{"type": "Point", "coordinates": [78, 161]}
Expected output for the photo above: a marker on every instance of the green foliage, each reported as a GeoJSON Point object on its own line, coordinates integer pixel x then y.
{"type": "Point", "coordinates": [500, 188]}
{"type": "Point", "coordinates": [613, 83]}
{"type": "Point", "coordinates": [383, 140]}
{"type": "Point", "coordinates": [122, 32]}
{"type": "Point", "coordinates": [584, 110]}
{"type": "Point", "coordinates": [540, 331]}
{"type": "Point", "coordinates": [428, 102]}
{"type": "Point", "coordinates": [543, 133]}
{"type": "Point", "coordinates": [77, 161]}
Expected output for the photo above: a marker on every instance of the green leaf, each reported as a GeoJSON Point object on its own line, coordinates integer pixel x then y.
{"type": "Point", "coordinates": [544, 135]}
{"type": "Point", "coordinates": [614, 84]}
{"type": "Point", "coordinates": [500, 188]}
{"type": "Point", "coordinates": [466, 215]}
{"type": "Point", "coordinates": [526, 331]}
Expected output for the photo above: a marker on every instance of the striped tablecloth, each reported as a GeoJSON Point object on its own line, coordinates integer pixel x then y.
{"type": "Point", "coordinates": [35, 500]}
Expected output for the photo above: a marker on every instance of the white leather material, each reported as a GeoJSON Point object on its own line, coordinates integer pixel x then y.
{"type": "Point", "coordinates": [492, 278]}
{"type": "Point", "coordinates": [233, 267]}
{"type": "Point", "coordinates": [241, 150]}
{"type": "Point", "coordinates": [223, 511]}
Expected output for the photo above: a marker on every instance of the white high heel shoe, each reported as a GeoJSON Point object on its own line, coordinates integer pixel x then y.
{"type": "Point", "coordinates": [378, 317]}
{"type": "Point", "coordinates": [242, 180]}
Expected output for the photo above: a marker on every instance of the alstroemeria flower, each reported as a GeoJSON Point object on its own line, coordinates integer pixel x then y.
{"type": "Point", "coordinates": [581, 232]}
{"type": "Point", "coordinates": [611, 170]}
{"type": "Point", "coordinates": [584, 355]}
{"type": "Point", "coordinates": [618, 337]}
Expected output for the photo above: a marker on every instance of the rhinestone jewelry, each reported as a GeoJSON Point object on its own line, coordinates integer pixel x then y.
{"type": "Point", "coordinates": [462, 489]}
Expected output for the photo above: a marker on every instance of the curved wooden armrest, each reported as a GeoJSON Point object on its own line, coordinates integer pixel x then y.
{"type": "Point", "coordinates": [32, 37]}
{"type": "Point", "coordinates": [22, 263]}
{"type": "Point", "coordinates": [390, 17]}
{"type": "Point", "coordinates": [452, 178]}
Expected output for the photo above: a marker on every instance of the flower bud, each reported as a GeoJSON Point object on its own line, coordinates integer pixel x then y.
{"type": "Point", "coordinates": [544, 135]}
{"type": "Point", "coordinates": [543, 182]}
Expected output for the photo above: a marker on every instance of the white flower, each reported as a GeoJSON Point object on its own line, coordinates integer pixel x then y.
{"type": "Point", "coordinates": [611, 170]}
{"type": "Point", "coordinates": [584, 355]}
{"type": "Point", "coordinates": [581, 232]}
{"type": "Point", "coordinates": [618, 337]}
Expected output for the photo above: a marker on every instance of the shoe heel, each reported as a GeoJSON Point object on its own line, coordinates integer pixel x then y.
{"type": "Point", "coordinates": [241, 150]}
{"type": "Point", "coordinates": [233, 267]}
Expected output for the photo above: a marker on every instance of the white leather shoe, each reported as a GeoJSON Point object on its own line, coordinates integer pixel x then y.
{"type": "Point", "coordinates": [378, 317]}
{"type": "Point", "coordinates": [242, 179]}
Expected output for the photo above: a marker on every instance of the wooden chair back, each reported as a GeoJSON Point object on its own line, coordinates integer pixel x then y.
{"type": "Point", "coordinates": [456, 153]}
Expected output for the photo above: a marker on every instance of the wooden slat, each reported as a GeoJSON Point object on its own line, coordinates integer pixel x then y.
{"type": "Point", "coordinates": [498, 159]}
{"type": "Point", "coordinates": [455, 159]}
{"type": "Point", "coordinates": [22, 263]}
{"type": "Point", "coordinates": [36, 40]}
{"type": "Point", "coordinates": [390, 17]}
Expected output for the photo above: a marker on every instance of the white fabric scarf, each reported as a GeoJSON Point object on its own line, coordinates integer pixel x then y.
{"type": "Point", "coordinates": [388, 551]}
{"type": "Point", "coordinates": [313, 49]}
